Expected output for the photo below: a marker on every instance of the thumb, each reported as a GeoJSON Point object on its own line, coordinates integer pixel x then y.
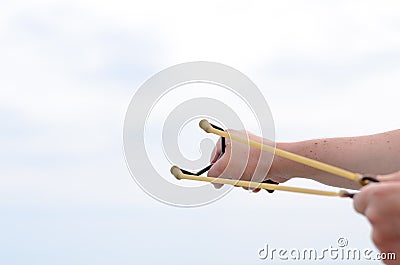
{"type": "Point", "coordinates": [389, 177]}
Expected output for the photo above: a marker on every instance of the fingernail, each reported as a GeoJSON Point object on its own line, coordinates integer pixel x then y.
{"type": "Point", "coordinates": [217, 186]}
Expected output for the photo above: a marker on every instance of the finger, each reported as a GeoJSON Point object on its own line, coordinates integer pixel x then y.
{"type": "Point", "coordinates": [255, 190]}
{"type": "Point", "coordinates": [218, 168]}
{"type": "Point", "coordinates": [217, 185]}
{"type": "Point", "coordinates": [361, 199]}
{"type": "Point", "coordinates": [216, 171]}
{"type": "Point", "coordinates": [252, 189]}
{"type": "Point", "coordinates": [390, 177]}
{"type": "Point", "coordinates": [216, 151]}
{"type": "Point", "coordinates": [360, 203]}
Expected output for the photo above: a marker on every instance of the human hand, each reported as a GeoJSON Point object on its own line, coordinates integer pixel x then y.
{"type": "Point", "coordinates": [241, 161]}
{"type": "Point", "coordinates": [380, 203]}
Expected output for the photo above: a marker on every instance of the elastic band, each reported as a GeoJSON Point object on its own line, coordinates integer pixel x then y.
{"type": "Point", "coordinates": [366, 179]}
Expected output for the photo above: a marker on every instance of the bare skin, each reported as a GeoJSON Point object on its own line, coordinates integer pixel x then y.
{"type": "Point", "coordinates": [380, 203]}
{"type": "Point", "coordinates": [377, 154]}
{"type": "Point", "coordinates": [373, 154]}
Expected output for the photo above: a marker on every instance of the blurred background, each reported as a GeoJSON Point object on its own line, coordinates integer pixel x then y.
{"type": "Point", "coordinates": [68, 70]}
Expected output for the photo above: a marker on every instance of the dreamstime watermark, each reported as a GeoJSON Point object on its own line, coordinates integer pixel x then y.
{"type": "Point", "coordinates": [339, 251]}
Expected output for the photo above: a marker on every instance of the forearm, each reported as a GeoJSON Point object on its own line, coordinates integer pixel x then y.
{"type": "Point", "coordinates": [372, 154]}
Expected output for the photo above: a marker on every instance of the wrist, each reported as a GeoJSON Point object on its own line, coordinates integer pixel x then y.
{"type": "Point", "coordinates": [280, 168]}
{"type": "Point", "coordinates": [285, 168]}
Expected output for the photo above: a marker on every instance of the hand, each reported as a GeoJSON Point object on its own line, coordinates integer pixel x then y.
{"type": "Point", "coordinates": [380, 203]}
{"type": "Point", "coordinates": [241, 161]}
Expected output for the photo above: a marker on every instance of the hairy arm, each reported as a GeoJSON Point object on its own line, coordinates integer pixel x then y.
{"type": "Point", "coordinates": [372, 154]}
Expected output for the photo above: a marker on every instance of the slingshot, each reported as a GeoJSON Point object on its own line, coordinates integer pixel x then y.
{"type": "Point", "coordinates": [269, 185]}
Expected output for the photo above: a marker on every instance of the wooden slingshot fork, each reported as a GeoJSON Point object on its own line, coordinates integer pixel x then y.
{"type": "Point", "coordinates": [268, 184]}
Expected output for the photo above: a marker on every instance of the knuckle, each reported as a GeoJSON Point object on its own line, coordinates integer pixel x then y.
{"type": "Point", "coordinates": [373, 216]}
{"type": "Point", "coordinates": [376, 193]}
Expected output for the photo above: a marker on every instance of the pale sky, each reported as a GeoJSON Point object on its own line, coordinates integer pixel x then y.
{"type": "Point", "coordinates": [68, 70]}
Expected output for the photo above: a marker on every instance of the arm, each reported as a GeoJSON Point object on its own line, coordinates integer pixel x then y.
{"type": "Point", "coordinates": [372, 154]}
